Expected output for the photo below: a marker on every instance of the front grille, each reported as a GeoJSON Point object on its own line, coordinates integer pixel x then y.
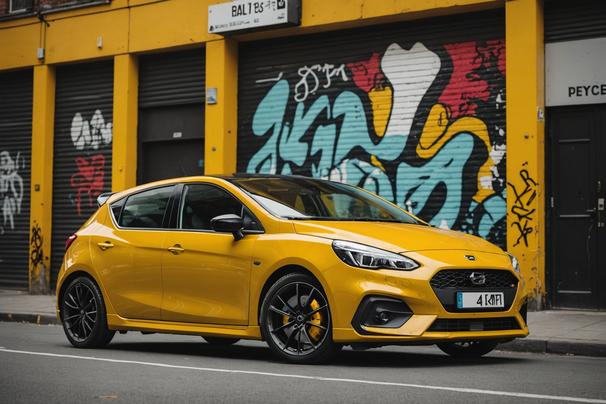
{"type": "Point", "coordinates": [474, 324]}
{"type": "Point", "coordinates": [461, 278]}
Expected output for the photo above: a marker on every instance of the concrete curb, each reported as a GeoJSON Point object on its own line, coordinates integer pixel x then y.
{"type": "Point", "coordinates": [42, 319]}
{"type": "Point", "coordinates": [561, 347]}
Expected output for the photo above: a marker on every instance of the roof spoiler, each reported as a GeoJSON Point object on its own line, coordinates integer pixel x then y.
{"type": "Point", "coordinates": [102, 198]}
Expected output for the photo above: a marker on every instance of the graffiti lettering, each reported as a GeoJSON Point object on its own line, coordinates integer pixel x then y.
{"type": "Point", "coordinates": [91, 134]}
{"type": "Point", "coordinates": [447, 170]}
{"type": "Point", "coordinates": [522, 206]}
{"type": "Point", "coordinates": [89, 180]}
{"type": "Point", "coordinates": [11, 189]}
{"type": "Point", "coordinates": [36, 254]}
{"type": "Point", "coordinates": [310, 82]}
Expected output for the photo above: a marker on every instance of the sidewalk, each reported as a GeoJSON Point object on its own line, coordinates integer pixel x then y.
{"type": "Point", "coordinates": [560, 332]}
{"type": "Point", "coordinates": [23, 307]}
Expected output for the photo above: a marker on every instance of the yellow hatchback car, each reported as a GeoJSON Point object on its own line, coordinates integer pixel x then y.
{"type": "Point", "coordinates": [307, 265]}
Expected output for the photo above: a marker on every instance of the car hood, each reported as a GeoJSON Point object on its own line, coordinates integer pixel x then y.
{"type": "Point", "coordinates": [397, 237]}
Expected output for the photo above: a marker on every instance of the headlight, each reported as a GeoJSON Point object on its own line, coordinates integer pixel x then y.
{"type": "Point", "coordinates": [514, 263]}
{"type": "Point", "coordinates": [363, 256]}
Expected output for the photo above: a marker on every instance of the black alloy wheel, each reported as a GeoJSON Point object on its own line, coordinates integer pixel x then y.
{"type": "Point", "coordinates": [468, 349]}
{"type": "Point", "coordinates": [83, 315]}
{"type": "Point", "coordinates": [296, 321]}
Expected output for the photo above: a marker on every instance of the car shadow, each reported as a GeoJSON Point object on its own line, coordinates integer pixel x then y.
{"type": "Point", "coordinates": [383, 357]}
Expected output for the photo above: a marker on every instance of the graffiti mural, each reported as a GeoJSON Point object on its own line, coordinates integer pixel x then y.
{"type": "Point", "coordinates": [421, 125]}
{"type": "Point", "coordinates": [89, 179]}
{"type": "Point", "coordinates": [11, 189]}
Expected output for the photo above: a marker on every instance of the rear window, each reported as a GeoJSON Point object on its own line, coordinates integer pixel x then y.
{"type": "Point", "coordinates": [143, 210]}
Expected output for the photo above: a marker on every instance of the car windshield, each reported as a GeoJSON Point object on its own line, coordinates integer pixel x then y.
{"type": "Point", "coordinates": [298, 198]}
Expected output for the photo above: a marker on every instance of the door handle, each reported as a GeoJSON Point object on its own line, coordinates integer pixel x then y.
{"type": "Point", "coordinates": [176, 249]}
{"type": "Point", "coordinates": [105, 245]}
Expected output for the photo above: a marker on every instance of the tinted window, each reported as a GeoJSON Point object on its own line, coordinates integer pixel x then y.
{"type": "Point", "coordinates": [116, 209]}
{"type": "Point", "coordinates": [146, 209]}
{"type": "Point", "coordinates": [300, 198]}
{"type": "Point", "coordinates": [201, 203]}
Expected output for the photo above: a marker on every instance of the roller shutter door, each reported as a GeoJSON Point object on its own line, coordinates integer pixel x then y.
{"type": "Point", "coordinates": [567, 20]}
{"type": "Point", "coordinates": [413, 111]}
{"type": "Point", "coordinates": [171, 115]}
{"type": "Point", "coordinates": [15, 165]}
{"type": "Point", "coordinates": [82, 149]}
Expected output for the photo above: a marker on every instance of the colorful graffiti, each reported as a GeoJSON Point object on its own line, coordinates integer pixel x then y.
{"type": "Point", "coordinates": [89, 179]}
{"type": "Point", "coordinates": [423, 127]}
{"type": "Point", "coordinates": [11, 189]}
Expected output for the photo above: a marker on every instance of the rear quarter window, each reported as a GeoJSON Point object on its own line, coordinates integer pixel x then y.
{"type": "Point", "coordinates": [144, 210]}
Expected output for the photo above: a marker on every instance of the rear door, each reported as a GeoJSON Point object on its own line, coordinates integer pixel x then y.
{"type": "Point", "coordinates": [128, 251]}
{"type": "Point", "coordinates": [207, 274]}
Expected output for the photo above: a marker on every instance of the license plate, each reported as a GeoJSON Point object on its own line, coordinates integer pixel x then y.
{"type": "Point", "coordinates": [480, 300]}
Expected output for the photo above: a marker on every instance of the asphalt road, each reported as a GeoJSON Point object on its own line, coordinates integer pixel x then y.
{"type": "Point", "coordinates": [38, 365]}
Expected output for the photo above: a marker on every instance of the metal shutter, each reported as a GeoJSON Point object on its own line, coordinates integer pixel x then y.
{"type": "Point", "coordinates": [171, 115]}
{"type": "Point", "coordinates": [82, 149]}
{"type": "Point", "coordinates": [15, 166]}
{"type": "Point", "coordinates": [355, 106]}
{"type": "Point", "coordinates": [173, 78]}
{"type": "Point", "coordinates": [567, 20]}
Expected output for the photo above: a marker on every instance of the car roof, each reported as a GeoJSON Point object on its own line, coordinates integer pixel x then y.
{"type": "Point", "coordinates": [169, 181]}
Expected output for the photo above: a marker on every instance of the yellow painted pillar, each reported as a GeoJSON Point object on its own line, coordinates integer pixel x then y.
{"type": "Point", "coordinates": [221, 119]}
{"type": "Point", "coordinates": [525, 142]}
{"type": "Point", "coordinates": [43, 119]}
{"type": "Point", "coordinates": [124, 142]}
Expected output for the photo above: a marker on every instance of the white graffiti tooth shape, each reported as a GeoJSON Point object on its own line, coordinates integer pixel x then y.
{"type": "Point", "coordinates": [91, 134]}
{"type": "Point", "coordinates": [411, 73]}
{"type": "Point", "coordinates": [11, 189]}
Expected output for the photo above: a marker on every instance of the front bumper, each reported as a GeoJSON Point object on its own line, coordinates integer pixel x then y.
{"type": "Point", "coordinates": [430, 320]}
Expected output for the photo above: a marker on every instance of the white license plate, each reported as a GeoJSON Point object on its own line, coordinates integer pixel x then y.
{"type": "Point", "coordinates": [481, 300]}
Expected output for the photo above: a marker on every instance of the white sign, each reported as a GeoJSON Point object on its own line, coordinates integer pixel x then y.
{"type": "Point", "coordinates": [575, 72]}
{"type": "Point", "coordinates": [241, 15]}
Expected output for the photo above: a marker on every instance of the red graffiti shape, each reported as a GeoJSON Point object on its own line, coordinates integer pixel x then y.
{"type": "Point", "coordinates": [367, 74]}
{"type": "Point", "coordinates": [466, 86]}
{"type": "Point", "coordinates": [89, 179]}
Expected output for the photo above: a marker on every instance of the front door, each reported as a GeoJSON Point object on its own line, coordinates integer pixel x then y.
{"type": "Point", "coordinates": [578, 180]}
{"type": "Point", "coordinates": [206, 275]}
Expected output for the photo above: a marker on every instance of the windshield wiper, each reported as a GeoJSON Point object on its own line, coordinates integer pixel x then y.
{"type": "Point", "coordinates": [312, 218]}
{"type": "Point", "coordinates": [342, 219]}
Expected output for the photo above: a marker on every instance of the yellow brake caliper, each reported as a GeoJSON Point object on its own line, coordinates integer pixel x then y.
{"type": "Point", "coordinates": [316, 318]}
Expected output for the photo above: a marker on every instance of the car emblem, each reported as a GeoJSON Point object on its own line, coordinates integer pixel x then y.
{"type": "Point", "coordinates": [477, 278]}
{"type": "Point", "coordinates": [471, 257]}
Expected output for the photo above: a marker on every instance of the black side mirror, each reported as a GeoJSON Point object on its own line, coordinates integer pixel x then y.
{"type": "Point", "coordinates": [228, 223]}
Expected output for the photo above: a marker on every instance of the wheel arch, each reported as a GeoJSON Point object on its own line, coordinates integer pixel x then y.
{"type": "Point", "coordinates": [277, 274]}
{"type": "Point", "coordinates": [68, 279]}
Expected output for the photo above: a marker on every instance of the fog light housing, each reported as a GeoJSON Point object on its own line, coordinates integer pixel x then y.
{"type": "Point", "coordinates": [381, 312]}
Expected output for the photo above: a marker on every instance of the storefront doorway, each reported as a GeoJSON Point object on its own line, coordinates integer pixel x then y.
{"type": "Point", "coordinates": [577, 233]}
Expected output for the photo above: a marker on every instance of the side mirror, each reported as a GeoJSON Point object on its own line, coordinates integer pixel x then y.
{"type": "Point", "coordinates": [229, 223]}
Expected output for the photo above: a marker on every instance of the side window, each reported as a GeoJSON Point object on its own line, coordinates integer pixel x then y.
{"type": "Point", "coordinates": [146, 209]}
{"type": "Point", "coordinates": [200, 203]}
{"type": "Point", "coordinates": [116, 209]}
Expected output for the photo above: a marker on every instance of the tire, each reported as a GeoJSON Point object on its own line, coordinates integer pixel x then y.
{"type": "Point", "coordinates": [296, 321]}
{"type": "Point", "coordinates": [468, 349]}
{"type": "Point", "coordinates": [221, 341]}
{"type": "Point", "coordinates": [83, 315]}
